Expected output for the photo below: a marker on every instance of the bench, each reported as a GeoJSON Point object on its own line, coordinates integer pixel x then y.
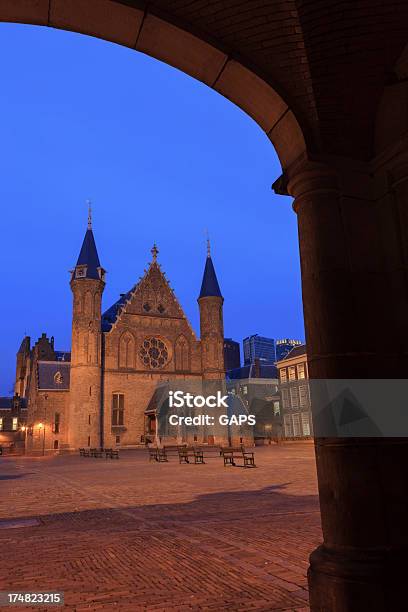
{"type": "Point", "coordinates": [157, 454]}
{"type": "Point", "coordinates": [152, 453]}
{"type": "Point", "coordinates": [172, 449]}
{"type": "Point", "coordinates": [187, 452]}
{"type": "Point", "coordinates": [84, 452]}
{"type": "Point", "coordinates": [96, 452]}
{"type": "Point", "coordinates": [231, 453]}
{"type": "Point", "coordinates": [209, 451]}
{"type": "Point", "coordinates": [112, 453]}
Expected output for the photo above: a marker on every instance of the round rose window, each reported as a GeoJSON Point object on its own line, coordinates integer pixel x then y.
{"type": "Point", "coordinates": [154, 353]}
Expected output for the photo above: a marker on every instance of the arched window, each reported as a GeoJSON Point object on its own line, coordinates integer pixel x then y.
{"type": "Point", "coordinates": [118, 409]}
{"type": "Point", "coordinates": [127, 351]}
{"type": "Point", "coordinates": [182, 354]}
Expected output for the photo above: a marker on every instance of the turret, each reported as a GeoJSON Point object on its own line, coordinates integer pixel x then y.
{"type": "Point", "coordinates": [87, 285]}
{"type": "Point", "coordinates": [210, 302]}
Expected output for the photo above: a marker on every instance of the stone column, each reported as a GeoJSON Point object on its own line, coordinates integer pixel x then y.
{"type": "Point", "coordinates": [352, 236]}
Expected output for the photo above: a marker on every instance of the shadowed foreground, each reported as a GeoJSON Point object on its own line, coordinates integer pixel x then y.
{"type": "Point", "coordinates": [129, 535]}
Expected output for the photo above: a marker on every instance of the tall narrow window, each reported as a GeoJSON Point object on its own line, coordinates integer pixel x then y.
{"type": "Point", "coordinates": [1, 423]}
{"type": "Point", "coordinates": [15, 423]}
{"type": "Point", "coordinates": [127, 351]}
{"type": "Point", "coordinates": [182, 354]}
{"type": "Point", "coordinates": [118, 409]}
{"type": "Point", "coordinates": [56, 422]}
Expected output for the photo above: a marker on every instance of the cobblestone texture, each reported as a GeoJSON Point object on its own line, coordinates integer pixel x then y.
{"type": "Point", "coordinates": [131, 535]}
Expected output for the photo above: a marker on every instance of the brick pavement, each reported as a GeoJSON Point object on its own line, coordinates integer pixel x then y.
{"type": "Point", "coordinates": [131, 535]}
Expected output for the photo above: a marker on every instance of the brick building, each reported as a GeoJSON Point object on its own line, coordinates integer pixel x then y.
{"type": "Point", "coordinates": [13, 417]}
{"type": "Point", "coordinates": [100, 394]}
{"type": "Point", "coordinates": [295, 394]}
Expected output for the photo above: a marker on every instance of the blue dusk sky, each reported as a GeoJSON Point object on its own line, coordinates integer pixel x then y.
{"type": "Point", "coordinates": [163, 158]}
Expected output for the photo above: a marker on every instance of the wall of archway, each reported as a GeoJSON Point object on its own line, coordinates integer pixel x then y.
{"type": "Point", "coordinates": [148, 33]}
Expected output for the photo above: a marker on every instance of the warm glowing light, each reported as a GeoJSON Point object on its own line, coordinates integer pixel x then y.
{"type": "Point", "coordinates": [23, 428]}
{"type": "Point", "coordinates": [40, 425]}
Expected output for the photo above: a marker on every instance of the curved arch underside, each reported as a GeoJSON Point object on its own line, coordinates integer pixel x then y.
{"type": "Point", "coordinates": [129, 25]}
{"type": "Point", "coordinates": [311, 73]}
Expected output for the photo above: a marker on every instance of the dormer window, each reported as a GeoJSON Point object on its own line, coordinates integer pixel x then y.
{"type": "Point", "coordinates": [80, 271]}
{"type": "Point", "coordinates": [101, 273]}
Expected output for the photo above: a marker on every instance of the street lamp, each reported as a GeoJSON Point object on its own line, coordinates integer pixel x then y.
{"type": "Point", "coordinates": [23, 428]}
{"type": "Point", "coordinates": [41, 426]}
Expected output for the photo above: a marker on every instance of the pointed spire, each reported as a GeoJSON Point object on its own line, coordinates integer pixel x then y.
{"type": "Point", "coordinates": [208, 245]}
{"type": "Point", "coordinates": [89, 215]}
{"type": "Point", "coordinates": [154, 251]}
{"type": "Point", "coordinates": [209, 285]}
{"type": "Point", "coordinates": [88, 265]}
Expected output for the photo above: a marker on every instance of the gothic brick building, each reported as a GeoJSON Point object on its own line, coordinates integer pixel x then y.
{"type": "Point", "coordinates": [99, 394]}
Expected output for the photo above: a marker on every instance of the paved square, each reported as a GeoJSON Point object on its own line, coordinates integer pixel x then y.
{"type": "Point", "coordinates": [132, 535]}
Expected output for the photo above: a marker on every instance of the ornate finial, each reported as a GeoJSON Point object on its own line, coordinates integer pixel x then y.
{"type": "Point", "coordinates": [89, 214]}
{"type": "Point", "coordinates": [208, 244]}
{"type": "Point", "coordinates": [154, 252]}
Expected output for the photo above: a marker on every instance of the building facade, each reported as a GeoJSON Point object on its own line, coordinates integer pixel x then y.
{"type": "Point", "coordinates": [295, 394]}
{"type": "Point", "coordinates": [98, 394]}
{"type": "Point", "coordinates": [259, 347]}
{"type": "Point", "coordinates": [13, 418]}
{"type": "Point", "coordinates": [232, 354]}
{"type": "Point", "coordinates": [257, 386]}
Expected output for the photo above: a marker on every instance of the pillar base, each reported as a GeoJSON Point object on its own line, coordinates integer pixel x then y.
{"type": "Point", "coordinates": [353, 581]}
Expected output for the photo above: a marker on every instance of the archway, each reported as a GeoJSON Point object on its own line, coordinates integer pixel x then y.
{"type": "Point", "coordinates": [342, 209]}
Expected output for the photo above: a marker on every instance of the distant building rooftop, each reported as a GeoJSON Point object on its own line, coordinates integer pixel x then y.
{"type": "Point", "coordinates": [297, 351]}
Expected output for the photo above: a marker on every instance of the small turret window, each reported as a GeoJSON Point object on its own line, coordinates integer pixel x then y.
{"type": "Point", "coordinates": [146, 307]}
{"type": "Point", "coordinates": [161, 308]}
{"type": "Point", "coordinates": [80, 271]}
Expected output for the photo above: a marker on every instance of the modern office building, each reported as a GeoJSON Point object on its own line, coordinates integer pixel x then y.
{"type": "Point", "coordinates": [259, 347]}
{"type": "Point", "coordinates": [232, 354]}
{"type": "Point", "coordinates": [284, 346]}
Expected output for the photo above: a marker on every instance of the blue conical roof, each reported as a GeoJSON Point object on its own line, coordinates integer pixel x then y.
{"type": "Point", "coordinates": [209, 286]}
{"type": "Point", "coordinates": [89, 255]}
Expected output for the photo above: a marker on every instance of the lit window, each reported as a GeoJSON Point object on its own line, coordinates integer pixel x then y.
{"type": "Point", "coordinates": [1, 423]}
{"type": "Point", "coordinates": [15, 423]}
{"type": "Point", "coordinates": [301, 370]}
{"type": "Point", "coordinates": [292, 373]}
{"type": "Point", "coordinates": [118, 409]}
{"type": "Point", "coordinates": [283, 375]}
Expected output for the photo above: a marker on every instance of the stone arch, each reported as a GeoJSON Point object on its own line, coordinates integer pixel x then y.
{"type": "Point", "coordinates": [127, 347]}
{"type": "Point", "coordinates": [182, 354]}
{"type": "Point", "coordinates": [157, 36]}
